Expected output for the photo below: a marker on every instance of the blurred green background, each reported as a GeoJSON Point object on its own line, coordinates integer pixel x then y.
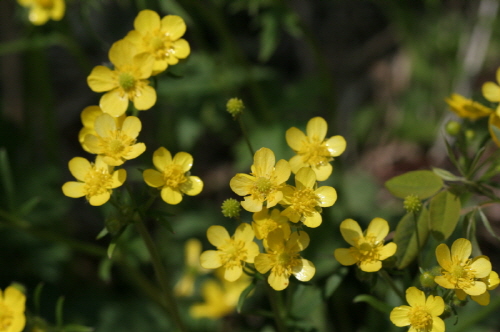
{"type": "Point", "coordinates": [377, 71]}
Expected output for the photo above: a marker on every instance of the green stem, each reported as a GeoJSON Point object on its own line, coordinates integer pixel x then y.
{"type": "Point", "coordinates": [417, 235]}
{"type": "Point", "coordinates": [277, 307]}
{"type": "Point", "coordinates": [245, 135]}
{"type": "Point", "coordinates": [388, 279]}
{"type": "Point", "coordinates": [161, 275]}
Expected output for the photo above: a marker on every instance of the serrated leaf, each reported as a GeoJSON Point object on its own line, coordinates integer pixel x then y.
{"type": "Point", "coordinates": [374, 303]}
{"type": "Point", "coordinates": [406, 237]}
{"type": "Point", "coordinates": [244, 295]}
{"type": "Point", "coordinates": [446, 175]}
{"type": "Point", "coordinates": [444, 211]}
{"type": "Point", "coordinates": [487, 224]}
{"type": "Point", "coordinates": [334, 281]}
{"type": "Point", "coordinates": [423, 184]}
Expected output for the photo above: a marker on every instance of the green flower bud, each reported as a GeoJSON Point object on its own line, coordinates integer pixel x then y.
{"type": "Point", "coordinates": [453, 128]}
{"type": "Point", "coordinates": [235, 106]}
{"type": "Point", "coordinates": [470, 134]}
{"type": "Point", "coordinates": [231, 208]}
{"type": "Point", "coordinates": [427, 279]}
{"type": "Point", "coordinates": [412, 204]}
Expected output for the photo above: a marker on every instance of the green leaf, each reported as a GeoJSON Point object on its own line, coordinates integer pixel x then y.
{"type": "Point", "coordinates": [444, 214]}
{"type": "Point", "coordinates": [423, 184]}
{"type": "Point", "coordinates": [111, 248]}
{"type": "Point", "coordinates": [487, 224]}
{"type": "Point", "coordinates": [59, 311]}
{"type": "Point", "coordinates": [268, 36]}
{"type": "Point", "coordinates": [446, 175]}
{"type": "Point", "coordinates": [76, 328]}
{"type": "Point", "coordinates": [244, 295]}
{"type": "Point", "coordinates": [333, 282]}
{"type": "Point", "coordinates": [406, 237]}
{"type": "Point", "coordinates": [102, 233]}
{"type": "Point", "coordinates": [374, 302]}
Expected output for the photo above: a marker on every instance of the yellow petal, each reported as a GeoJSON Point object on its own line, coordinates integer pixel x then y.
{"type": "Point", "coordinates": [387, 251]}
{"type": "Point", "coordinates": [298, 241]}
{"type": "Point", "coordinates": [317, 128]}
{"type": "Point", "coordinates": [305, 178]}
{"type": "Point", "coordinates": [304, 271]}
{"type": "Point", "coordinates": [263, 263]}
{"type": "Point", "coordinates": [193, 186]}
{"type": "Point", "coordinates": [295, 138]}
{"type": "Point", "coordinates": [344, 256]}
{"type": "Point", "coordinates": [131, 126]}
{"type": "Point", "coordinates": [282, 171]}
{"type": "Point", "coordinates": [145, 98]}
{"type": "Point", "coordinates": [475, 289]}
{"type": "Point", "coordinates": [297, 163]}
{"type": "Point", "coordinates": [89, 115]}
{"type": "Point", "coordinates": [114, 102]}
{"type": "Point", "coordinates": [327, 196]}
{"type": "Point", "coordinates": [181, 48]}
{"type": "Point", "coordinates": [323, 172]}
{"type": "Point", "coordinates": [278, 281]}
{"type": "Point", "coordinates": [217, 235]}
{"type": "Point", "coordinates": [74, 189]}
{"type": "Point", "coordinates": [443, 256]}
{"type": "Point", "coordinates": [291, 214]}
{"type": "Point", "coordinates": [251, 205]}
{"type": "Point", "coordinates": [481, 266]}
{"type": "Point", "coordinates": [400, 316]}
{"type": "Point", "coordinates": [415, 297]}
{"type": "Point", "coordinates": [492, 280]}
{"type": "Point", "coordinates": [101, 79]}
{"type": "Point", "coordinates": [379, 228]}
{"type": "Point", "coordinates": [483, 299]}
{"type": "Point", "coordinates": [336, 145]}
{"type": "Point", "coordinates": [118, 178]}
{"type": "Point", "coordinates": [15, 300]}
{"type": "Point", "coordinates": [264, 161]}
{"type": "Point", "coordinates": [147, 21]}
{"type": "Point", "coordinates": [233, 273]}
{"type": "Point", "coordinates": [370, 266]}
{"type": "Point", "coordinates": [252, 252]}
{"type": "Point", "coordinates": [162, 158]}
{"type": "Point", "coordinates": [173, 25]}
{"type": "Point", "coordinates": [435, 305]}
{"type": "Point", "coordinates": [153, 178]}
{"type": "Point", "coordinates": [92, 143]}
{"type": "Point", "coordinates": [491, 91]}
{"type": "Point", "coordinates": [244, 233]}
{"type": "Point", "coordinates": [58, 9]}
{"type": "Point", "coordinates": [105, 125]}
{"type": "Point", "coordinates": [121, 53]}
{"type": "Point", "coordinates": [135, 151]}
{"type": "Point", "coordinates": [461, 295]}
{"type": "Point", "coordinates": [183, 159]}
{"type": "Point", "coordinates": [461, 248]}
{"type": "Point", "coordinates": [100, 199]}
{"type": "Point", "coordinates": [444, 282]}
{"type": "Point", "coordinates": [171, 196]}
{"type": "Point", "coordinates": [350, 231]}
{"type": "Point", "coordinates": [79, 167]}
{"type": "Point", "coordinates": [494, 121]}
{"type": "Point", "coordinates": [242, 184]}
{"type": "Point", "coordinates": [313, 220]}
{"type": "Point", "coordinates": [211, 259]}
{"type": "Point", "coordinates": [437, 325]}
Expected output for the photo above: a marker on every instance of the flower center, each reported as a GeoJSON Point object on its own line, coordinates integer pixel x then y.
{"type": "Point", "coordinates": [304, 201]}
{"type": "Point", "coordinates": [460, 274]}
{"type": "Point", "coordinates": [367, 249]}
{"type": "Point", "coordinates": [117, 145]}
{"type": "Point", "coordinates": [6, 317]}
{"type": "Point", "coordinates": [420, 319]}
{"type": "Point", "coordinates": [97, 181]}
{"type": "Point", "coordinates": [315, 153]}
{"type": "Point", "coordinates": [263, 185]}
{"type": "Point", "coordinates": [126, 81]}
{"type": "Point", "coordinates": [233, 253]}
{"type": "Point", "coordinates": [174, 176]}
{"type": "Point", "coordinates": [284, 263]}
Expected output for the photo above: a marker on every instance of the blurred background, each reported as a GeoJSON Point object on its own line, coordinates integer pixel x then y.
{"type": "Point", "coordinates": [377, 71]}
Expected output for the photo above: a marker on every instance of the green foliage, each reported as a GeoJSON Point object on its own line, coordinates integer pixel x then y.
{"type": "Point", "coordinates": [423, 184]}
{"type": "Point", "coordinates": [406, 237]}
{"type": "Point", "coordinates": [444, 213]}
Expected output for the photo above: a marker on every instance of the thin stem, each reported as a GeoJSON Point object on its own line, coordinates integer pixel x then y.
{"type": "Point", "coordinates": [277, 307]}
{"type": "Point", "coordinates": [245, 135]}
{"type": "Point", "coordinates": [417, 235]}
{"type": "Point", "coordinates": [388, 279]}
{"type": "Point", "coordinates": [161, 276]}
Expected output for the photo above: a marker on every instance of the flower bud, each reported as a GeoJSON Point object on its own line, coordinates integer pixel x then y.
{"type": "Point", "coordinates": [427, 279]}
{"type": "Point", "coordinates": [231, 208]}
{"type": "Point", "coordinates": [412, 204]}
{"type": "Point", "coordinates": [235, 107]}
{"type": "Point", "coordinates": [453, 128]}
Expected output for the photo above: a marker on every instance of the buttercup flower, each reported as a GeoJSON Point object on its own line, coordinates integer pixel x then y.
{"type": "Point", "coordinates": [127, 81]}
{"type": "Point", "coordinates": [265, 222]}
{"type": "Point", "coordinates": [40, 11]}
{"type": "Point", "coordinates": [95, 181]}
{"type": "Point", "coordinates": [232, 252]}
{"type": "Point", "coordinates": [172, 176]}
{"type": "Point", "coordinates": [491, 282]}
{"type": "Point", "coordinates": [313, 150]}
{"type": "Point", "coordinates": [192, 251]}
{"type": "Point", "coordinates": [459, 272]}
{"type": "Point", "coordinates": [161, 38]}
{"type": "Point", "coordinates": [116, 142]}
{"type": "Point", "coordinates": [283, 259]}
{"type": "Point", "coordinates": [491, 91]}
{"type": "Point", "coordinates": [304, 202]}
{"type": "Point", "coordinates": [88, 116]}
{"type": "Point", "coordinates": [220, 298]}
{"type": "Point", "coordinates": [12, 305]}
{"type": "Point", "coordinates": [467, 108]}
{"type": "Point", "coordinates": [368, 249]}
{"type": "Point", "coordinates": [422, 314]}
{"type": "Point", "coordinates": [264, 183]}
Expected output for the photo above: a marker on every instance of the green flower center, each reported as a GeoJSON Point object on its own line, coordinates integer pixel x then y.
{"type": "Point", "coordinates": [460, 274]}
{"type": "Point", "coordinates": [367, 249]}
{"type": "Point", "coordinates": [126, 81]}
{"type": "Point", "coordinates": [263, 185]}
{"type": "Point", "coordinates": [174, 176]}
{"type": "Point", "coordinates": [304, 201]}
{"type": "Point", "coordinates": [97, 182]}
{"type": "Point", "coordinates": [420, 319]}
{"type": "Point", "coordinates": [6, 317]}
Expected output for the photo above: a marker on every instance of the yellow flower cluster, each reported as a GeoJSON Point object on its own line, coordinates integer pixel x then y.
{"type": "Point", "coordinates": [40, 11]}
{"type": "Point", "coordinates": [277, 207]}
{"type": "Point", "coordinates": [110, 134]}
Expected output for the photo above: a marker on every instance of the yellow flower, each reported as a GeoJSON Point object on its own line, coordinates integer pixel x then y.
{"type": "Point", "coordinates": [95, 181]}
{"type": "Point", "coordinates": [421, 314]}
{"type": "Point", "coordinates": [172, 176]}
{"type": "Point", "coordinates": [368, 249]}
{"type": "Point", "coordinates": [40, 11]}
{"type": "Point", "coordinates": [283, 259]}
{"type": "Point", "coordinates": [12, 305]}
{"type": "Point", "coordinates": [161, 38]}
{"type": "Point", "coordinates": [491, 91]}
{"type": "Point", "coordinates": [265, 222]}
{"type": "Point", "coordinates": [232, 252]}
{"type": "Point", "coordinates": [494, 121]}
{"type": "Point", "coordinates": [314, 150]}
{"type": "Point", "coordinates": [128, 80]}
{"type": "Point", "coordinates": [88, 116]}
{"type": "Point", "coordinates": [458, 271]}
{"type": "Point", "coordinates": [192, 251]}
{"type": "Point", "coordinates": [115, 142]}
{"type": "Point", "coordinates": [304, 201]}
{"type": "Point", "coordinates": [220, 298]}
{"type": "Point", "coordinates": [265, 182]}
{"type": "Point", "coordinates": [467, 108]}
{"type": "Point", "coordinates": [491, 282]}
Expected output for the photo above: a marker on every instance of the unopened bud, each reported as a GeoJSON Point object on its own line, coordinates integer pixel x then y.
{"type": "Point", "coordinates": [412, 204]}
{"type": "Point", "coordinates": [427, 279]}
{"type": "Point", "coordinates": [231, 208]}
{"type": "Point", "coordinates": [453, 128]}
{"type": "Point", "coordinates": [235, 106]}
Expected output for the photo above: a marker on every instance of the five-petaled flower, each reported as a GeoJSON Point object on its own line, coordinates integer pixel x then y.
{"type": "Point", "coordinates": [313, 150]}
{"type": "Point", "coordinates": [264, 183]}
{"type": "Point", "coordinates": [12, 305]}
{"type": "Point", "coordinates": [40, 11]}
{"type": "Point", "coordinates": [459, 271]}
{"type": "Point", "coordinates": [161, 38]}
{"type": "Point", "coordinates": [283, 258]}
{"type": "Point", "coordinates": [266, 221]}
{"type": "Point", "coordinates": [95, 180]}
{"type": "Point", "coordinates": [467, 108]}
{"type": "Point", "coordinates": [304, 201]}
{"type": "Point", "coordinates": [172, 176]}
{"type": "Point", "coordinates": [126, 82]}
{"type": "Point", "coordinates": [115, 140]}
{"type": "Point", "coordinates": [422, 314]}
{"type": "Point", "coordinates": [368, 249]}
{"type": "Point", "coordinates": [232, 252]}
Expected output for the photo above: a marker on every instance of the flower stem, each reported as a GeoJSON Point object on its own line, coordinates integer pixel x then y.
{"type": "Point", "coordinates": [388, 279]}
{"type": "Point", "coordinates": [245, 135]}
{"type": "Point", "coordinates": [277, 306]}
{"type": "Point", "coordinates": [161, 276]}
{"type": "Point", "coordinates": [417, 235]}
